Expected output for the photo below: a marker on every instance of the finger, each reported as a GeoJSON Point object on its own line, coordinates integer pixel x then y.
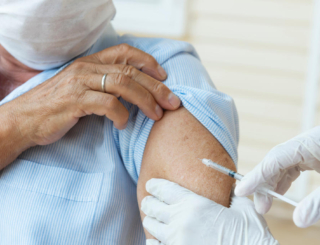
{"type": "Point", "coordinates": [161, 93]}
{"type": "Point", "coordinates": [134, 93]}
{"type": "Point", "coordinates": [121, 85]}
{"type": "Point", "coordinates": [154, 208]}
{"type": "Point", "coordinates": [248, 184]}
{"type": "Point", "coordinates": [156, 228]}
{"type": "Point", "coordinates": [167, 191]}
{"type": "Point", "coordinates": [128, 55]}
{"type": "Point", "coordinates": [266, 172]}
{"type": "Point", "coordinates": [153, 242]}
{"type": "Point", "coordinates": [104, 104]}
{"type": "Point", "coordinates": [307, 212]}
{"type": "Point", "coordinates": [279, 159]}
{"type": "Point", "coordinates": [242, 204]}
{"type": "Point", "coordinates": [287, 179]}
{"type": "Point", "coordinates": [245, 207]}
{"type": "Point", "coordinates": [262, 202]}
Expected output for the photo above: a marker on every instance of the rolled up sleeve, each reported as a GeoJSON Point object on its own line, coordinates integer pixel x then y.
{"type": "Point", "coordinates": [188, 79]}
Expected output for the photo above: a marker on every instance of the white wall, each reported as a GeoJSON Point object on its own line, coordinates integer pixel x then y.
{"type": "Point", "coordinates": [257, 52]}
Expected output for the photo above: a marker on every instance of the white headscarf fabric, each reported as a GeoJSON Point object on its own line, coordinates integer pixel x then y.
{"type": "Point", "coordinates": [45, 34]}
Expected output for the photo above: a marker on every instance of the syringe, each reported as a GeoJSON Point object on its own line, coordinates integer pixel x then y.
{"type": "Point", "coordinates": [239, 177]}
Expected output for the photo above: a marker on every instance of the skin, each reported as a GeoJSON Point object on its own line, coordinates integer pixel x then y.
{"type": "Point", "coordinates": [44, 114]}
{"type": "Point", "coordinates": [47, 112]}
{"type": "Point", "coordinates": [12, 73]}
{"type": "Point", "coordinates": [172, 151]}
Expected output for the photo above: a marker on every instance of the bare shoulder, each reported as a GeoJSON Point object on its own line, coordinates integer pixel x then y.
{"type": "Point", "coordinates": [172, 151]}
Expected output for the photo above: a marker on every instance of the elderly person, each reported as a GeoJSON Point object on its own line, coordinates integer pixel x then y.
{"type": "Point", "coordinates": [80, 124]}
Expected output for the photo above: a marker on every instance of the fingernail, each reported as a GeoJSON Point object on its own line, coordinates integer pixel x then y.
{"type": "Point", "coordinates": [159, 111]}
{"type": "Point", "coordinates": [174, 100]}
{"type": "Point", "coordinates": [162, 72]}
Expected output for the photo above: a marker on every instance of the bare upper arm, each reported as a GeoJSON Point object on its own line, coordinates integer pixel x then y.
{"type": "Point", "coordinates": [172, 151]}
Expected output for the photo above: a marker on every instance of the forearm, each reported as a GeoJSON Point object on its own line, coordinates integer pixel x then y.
{"type": "Point", "coordinates": [12, 140]}
{"type": "Point", "coordinates": [172, 151]}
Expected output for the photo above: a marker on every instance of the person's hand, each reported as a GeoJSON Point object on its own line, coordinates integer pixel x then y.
{"type": "Point", "coordinates": [47, 112]}
{"type": "Point", "coordinates": [177, 216]}
{"type": "Point", "coordinates": [280, 167]}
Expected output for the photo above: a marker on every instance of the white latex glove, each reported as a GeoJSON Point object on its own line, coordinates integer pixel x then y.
{"type": "Point", "coordinates": [177, 216]}
{"type": "Point", "coordinates": [280, 167]}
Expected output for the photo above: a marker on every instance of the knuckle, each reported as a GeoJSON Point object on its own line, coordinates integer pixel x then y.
{"type": "Point", "coordinates": [160, 88]}
{"type": "Point", "coordinates": [70, 81]}
{"type": "Point", "coordinates": [78, 65]}
{"type": "Point", "coordinates": [128, 70]}
{"type": "Point", "coordinates": [121, 80]}
{"type": "Point", "coordinates": [72, 89]}
{"type": "Point", "coordinates": [124, 47]}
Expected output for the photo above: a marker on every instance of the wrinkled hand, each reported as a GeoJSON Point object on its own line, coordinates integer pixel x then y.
{"type": "Point", "coordinates": [177, 216]}
{"type": "Point", "coordinates": [47, 112]}
{"type": "Point", "coordinates": [281, 166]}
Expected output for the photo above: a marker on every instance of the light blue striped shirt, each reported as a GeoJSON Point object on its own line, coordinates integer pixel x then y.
{"type": "Point", "coordinates": [82, 188]}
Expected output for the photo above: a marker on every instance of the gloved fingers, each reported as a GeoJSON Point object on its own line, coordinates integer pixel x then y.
{"type": "Point", "coordinates": [156, 228]}
{"type": "Point", "coordinates": [303, 151]}
{"type": "Point", "coordinates": [307, 212]}
{"type": "Point", "coordinates": [309, 146]}
{"type": "Point", "coordinates": [154, 208]}
{"type": "Point", "coordinates": [270, 170]}
{"type": "Point", "coordinates": [286, 180]}
{"type": "Point", "coordinates": [153, 242]}
{"type": "Point", "coordinates": [167, 191]}
{"type": "Point", "coordinates": [254, 179]}
{"type": "Point", "coordinates": [262, 202]}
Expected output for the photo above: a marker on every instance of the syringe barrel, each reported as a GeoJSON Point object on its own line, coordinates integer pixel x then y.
{"type": "Point", "coordinates": [222, 169]}
{"type": "Point", "coordinates": [237, 176]}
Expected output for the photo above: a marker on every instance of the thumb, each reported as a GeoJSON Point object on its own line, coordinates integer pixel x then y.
{"type": "Point", "coordinates": [307, 212]}
{"type": "Point", "coordinates": [266, 172]}
{"type": "Point", "coordinates": [249, 183]}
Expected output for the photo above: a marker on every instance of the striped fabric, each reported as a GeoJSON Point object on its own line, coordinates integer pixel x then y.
{"type": "Point", "coordinates": [82, 189]}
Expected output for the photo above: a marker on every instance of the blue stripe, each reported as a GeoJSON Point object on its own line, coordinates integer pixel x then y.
{"type": "Point", "coordinates": [82, 188]}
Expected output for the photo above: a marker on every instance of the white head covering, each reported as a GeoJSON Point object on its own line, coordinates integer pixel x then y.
{"type": "Point", "coordinates": [44, 34]}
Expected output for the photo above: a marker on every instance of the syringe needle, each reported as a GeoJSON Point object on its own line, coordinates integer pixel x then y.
{"type": "Point", "coordinates": [239, 177]}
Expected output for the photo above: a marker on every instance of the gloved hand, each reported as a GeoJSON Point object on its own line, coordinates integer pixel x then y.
{"type": "Point", "coordinates": [280, 167]}
{"type": "Point", "coordinates": [176, 215]}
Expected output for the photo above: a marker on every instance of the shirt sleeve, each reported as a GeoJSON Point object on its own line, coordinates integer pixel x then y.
{"type": "Point", "coordinates": [188, 79]}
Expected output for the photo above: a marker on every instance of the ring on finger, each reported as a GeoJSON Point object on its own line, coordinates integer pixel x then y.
{"type": "Point", "coordinates": [103, 82]}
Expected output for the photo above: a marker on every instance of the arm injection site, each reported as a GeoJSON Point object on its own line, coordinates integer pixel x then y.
{"type": "Point", "coordinates": [171, 153]}
{"type": "Point", "coordinates": [239, 177]}
{"type": "Point", "coordinates": [100, 132]}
